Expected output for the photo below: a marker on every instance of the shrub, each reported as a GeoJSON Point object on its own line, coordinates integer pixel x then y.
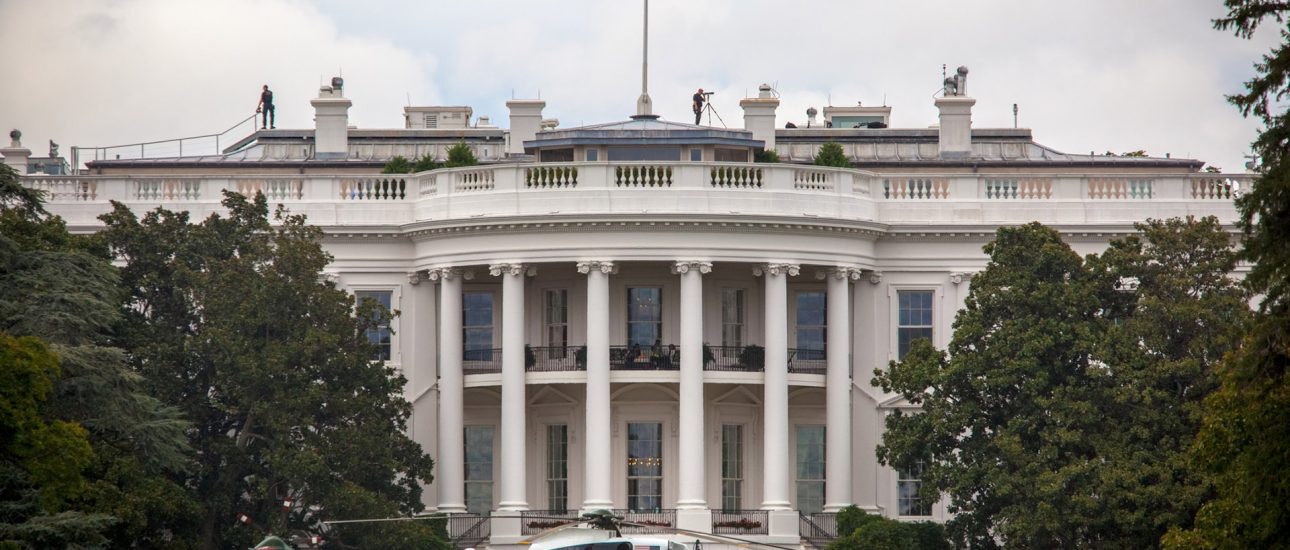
{"type": "Point", "coordinates": [753, 357]}
{"type": "Point", "coordinates": [766, 156]}
{"type": "Point", "coordinates": [831, 154]}
{"type": "Point", "coordinates": [460, 155]}
{"type": "Point", "coordinates": [397, 165]}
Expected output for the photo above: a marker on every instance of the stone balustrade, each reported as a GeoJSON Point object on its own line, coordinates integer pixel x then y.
{"type": "Point", "coordinates": [719, 189]}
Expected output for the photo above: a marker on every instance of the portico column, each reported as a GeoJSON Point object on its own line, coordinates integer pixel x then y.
{"type": "Point", "coordinates": [691, 503]}
{"type": "Point", "coordinates": [776, 477]}
{"type": "Point", "coordinates": [513, 458]}
{"type": "Point", "coordinates": [597, 487]}
{"type": "Point", "coordinates": [837, 381]}
{"type": "Point", "coordinates": [451, 477]}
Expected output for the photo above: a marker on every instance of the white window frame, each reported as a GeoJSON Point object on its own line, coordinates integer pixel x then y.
{"type": "Point", "coordinates": [893, 311]}
{"type": "Point", "coordinates": [396, 295]}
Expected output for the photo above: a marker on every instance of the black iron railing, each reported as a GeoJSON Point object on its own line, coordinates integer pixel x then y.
{"type": "Point", "coordinates": [727, 359]}
{"type": "Point", "coordinates": [644, 358]}
{"type": "Point", "coordinates": [468, 530]}
{"type": "Point", "coordinates": [657, 521]}
{"type": "Point", "coordinates": [818, 529]}
{"type": "Point", "coordinates": [553, 359]}
{"type": "Point", "coordinates": [481, 361]}
{"type": "Point", "coordinates": [807, 361]}
{"type": "Point", "coordinates": [533, 522]}
{"type": "Point", "coordinates": [740, 522]}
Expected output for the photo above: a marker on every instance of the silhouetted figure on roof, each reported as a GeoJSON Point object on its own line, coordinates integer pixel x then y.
{"type": "Point", "coordinates": [266, 108]}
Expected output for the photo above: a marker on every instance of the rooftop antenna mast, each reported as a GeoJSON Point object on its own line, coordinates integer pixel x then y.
{"type": "Point", "coordinates": [644, 107]}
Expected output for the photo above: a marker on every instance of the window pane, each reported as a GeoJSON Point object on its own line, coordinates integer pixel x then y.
{"type": "Point", "coordinates": [479, 469]}
{"type": "Point", "coordinates": [908, 483]}
{"type": "Point", "coordinates": [557, 467]}
{"type": "Point", "coordinates": [644, 315]}
{"type": "Point", "coordinates": [810, 468]}
{"type": "Point", "coordinates": [644, 153]}
{"type": "Point", "coordinates": [811, 322]}
{"type": "Point", "coordinates": [732, 317]}
{"type": "Point", "coordinates": [914, 319]}
{"type": "Point", "coordinates": [379, 335]}
{"type": "Point", "coordinates": [732, 466]}
{"type": "Point", "coordinates": [644, 466]}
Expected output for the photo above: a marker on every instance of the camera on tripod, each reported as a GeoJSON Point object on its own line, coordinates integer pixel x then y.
{"type": "Point", "coordinates": [708, 93]}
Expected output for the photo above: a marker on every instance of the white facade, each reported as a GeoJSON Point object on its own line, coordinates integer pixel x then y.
{"type": "Point", "coordinates": [827, 268]}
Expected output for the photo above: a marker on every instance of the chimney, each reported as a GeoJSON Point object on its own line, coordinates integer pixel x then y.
{"type": "Point", "coordinates": [526, 119]}
{"type": "Point", "coordinates": [15, 155]}
{"type": "Point", "coordinates": [955, 106]}
{"type": "Point", "coordinates": [759, 115]}
{"type": "Point", "coordinates": [331, 121]}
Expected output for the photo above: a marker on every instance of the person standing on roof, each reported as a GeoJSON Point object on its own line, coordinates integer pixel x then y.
{"type": "Point", "coordinates": [266, 107]}
{"type": "Point", "coordinates": [698, 106]}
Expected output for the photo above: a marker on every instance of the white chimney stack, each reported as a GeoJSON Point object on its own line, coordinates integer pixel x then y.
{"type": "Point", "coordinates": [759, 115]}
{"type": "Point", "coordinates": [955, 106]}
{"type": "Point", "coordinates": [526, 119]}
{"type": "Point", "coordinates": [331, 121]}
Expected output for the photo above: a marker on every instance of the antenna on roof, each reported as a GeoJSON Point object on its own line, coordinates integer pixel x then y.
{"type": "Point", "coordinates": [644, 107]}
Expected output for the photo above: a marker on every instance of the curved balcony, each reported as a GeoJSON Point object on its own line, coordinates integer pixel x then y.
{"type": "Point", "coordinates": [586, 190]}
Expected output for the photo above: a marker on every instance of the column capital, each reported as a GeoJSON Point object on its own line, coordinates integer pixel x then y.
{"type": "Point", "coordinates": [607, 267]}
{"type": "Point", "coordinates": [512, 269]}
{"type": "Point", "coordinates": [875, 277]}
{"type": "Point", "coordinates": [839, 272]}
{"type": "Point", "coordinates": [684, 266]}
{"type": "Point", "coordinates": [960, 277]}
{"type": "Point", "coordinates": [415, 277]}
{"type": "Point", "coordinates": [449, 273]}
{"type": "Point", "coordinates": [776, 269]}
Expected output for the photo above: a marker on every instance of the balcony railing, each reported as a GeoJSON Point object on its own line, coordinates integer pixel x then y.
{"type": "Point", "coordinates": [554, 359]}
{"type": "Point", "coordinates": [533, 522]}
{"type": "Point", "coordinates": [644, 358]}
{"type": "Point", "coordinates": [481, 361]}
{"type": "Point", "coordinates": [806, 361]}
{"type": "Point", "coordinates": [728, 359]}
{"type": "Point", "coordinates": [657, 521]}
{"type": "Point", "coordinates": [740, 522]}
{"type": "Point", "coordinates": [659, 188]}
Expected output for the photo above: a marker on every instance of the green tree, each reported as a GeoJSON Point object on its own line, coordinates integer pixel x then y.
{"type": "Point", "coordinates": [860, 531]}
{"type": "Point", "coordinates": [397, 165]}
{"type": "Point", "coordinates": [230, 321]}
{"type": "Point", "coordinates": [1244, 442]}
{"type": "Point", "coordinates": [764, 155]}
{"type": "Point", "coordinates": [426, 163]}
{"type": "Point", "coordinates": [831, 154]}
{"type": "Point", "coordinates": [460, 155]}
{"type": "Point", "coordinates": [1062, 415]}
{"type": "Point", "coordinates": [63, 289]}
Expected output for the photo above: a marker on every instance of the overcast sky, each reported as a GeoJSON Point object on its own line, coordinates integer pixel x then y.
{"type": "Point", "coordinates": [1087, 76]}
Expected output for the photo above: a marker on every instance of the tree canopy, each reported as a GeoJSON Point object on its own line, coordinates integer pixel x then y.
{"type": "Point", "coordinates": [1244, 442]}
{"type": "Point", "coordinates": [231, 320]}
{"type": "Point", "coordinates": [1062, 413]}
{"type": "Point", "coordinates": [831, 154]}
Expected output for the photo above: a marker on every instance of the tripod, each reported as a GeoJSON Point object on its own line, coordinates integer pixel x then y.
{"type": "Point", "coordinates": [708, 108]}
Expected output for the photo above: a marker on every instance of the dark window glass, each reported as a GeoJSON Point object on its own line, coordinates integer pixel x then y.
{"type": "Point", "coordinates": [914, 319]}
{"type": "Point", "coordinates": [644, 153]}
{"type": "Point", "coordinates": [644, 316]}
{"type": "Point", "coordinates": [479, 469]}
{"type": "Point", "coordinates": [810, 469]}
{"type": "Point", "coordinates": [557, 155]}
{"type": "Point", "coordinates": [477, 325]}
{"type": "Point", "coordinates": [907, 485]}
{"type": "Point", "coordinates": [811, 324]}
{"type": "Point", "coordinates": [379, 335]}
{"type": "Point", "coordinates": [644, 466]}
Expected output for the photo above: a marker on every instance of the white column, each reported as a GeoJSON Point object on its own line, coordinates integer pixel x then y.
{"type": "Point", "coordinates": [837, 381]}
{"type": "Point", "coordinates": [691, 502]}
{"type": "Point", "coordinates": [776, 477]}
{"type": "Point", "coordinates": [451, 471]}
{"type": "Point", "coordinates": [512, 457]}
{"type": "Point", "coordinates": [597, 486]}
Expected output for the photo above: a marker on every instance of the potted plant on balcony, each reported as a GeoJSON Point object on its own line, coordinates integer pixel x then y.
{"type": "Point", "coordinates": [708, 357]}
{"type": "Point", "coordinates": [580, 358]}
{"type": "Point", "coordinates": [530, 358]}
{"type": "Point", "coordinates": [753, 357]}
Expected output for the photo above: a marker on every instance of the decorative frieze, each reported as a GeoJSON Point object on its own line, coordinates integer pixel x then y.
{"type": "Point", "coordinates": [776, 269]}
{"type": "Point", "coordinates": [604, 266]}
{"type": "Point", "coordinates": [681, 267]}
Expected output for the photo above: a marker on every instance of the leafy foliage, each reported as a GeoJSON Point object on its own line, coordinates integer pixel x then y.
{"type": "Point", "coordinates": [460, 155]}
{"type": "Point", "coordinates": [860, 531]}
{"type": "Point", "coordinates": [1244, 444]}
{"type": "Point", "coordinates": [1062, 414]}
{"type": "Point", "coordinates": [229, 320]}
{"type": "Point", "coordinates": [766, 155]}
{"type": "Point", "coordinates": [397, 165]}
{"type": "Point", "coordinates": [831, 154]}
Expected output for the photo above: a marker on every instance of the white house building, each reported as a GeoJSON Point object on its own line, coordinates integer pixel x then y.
{"type": "Point", "coordinates": [637, 316]}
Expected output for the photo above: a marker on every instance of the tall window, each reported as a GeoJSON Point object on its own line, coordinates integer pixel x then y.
{"type": "Point", "coordinates": [557, 467]}
{"type": "Point", "coordinates": [479, 469]}
{"type": "Point", "coordinates": [810, 469]}
{"type": "Point", "coordinates": [907, 485]}
{"type": "Point", "coordinates": [810, 325]}
{"type": "Point", "coordinates": [644, 315]}
{"type": "Point", "coordinates": [378, 335]}
{"type": "Point", "coordinates": [644, 466]}
{"type": "Point", "coordinates": [732, 467]}
{"type": "Point", "coordinates": [477, 325]}
{"type": "Point", "coordinates": [732, 320]}
{"type": "Point", "coordinates": [556, 319]}
{"type": "Point", "coordinates": [915, 319]}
